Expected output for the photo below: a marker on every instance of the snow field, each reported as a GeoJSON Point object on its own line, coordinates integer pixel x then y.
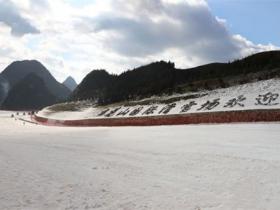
{"type": "Point", "coordinates": [206, 167]}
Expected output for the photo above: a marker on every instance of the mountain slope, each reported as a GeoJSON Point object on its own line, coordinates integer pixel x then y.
{"type": "Point", "coordinates": [30, 93]}
{"type": "Point", "coordinates": [70, 83]}
{"type": "Point", "coordinates": [94, 86]}
{"type": "Point", "coordinates": [4, 89]}
{"type": "Point", "coordinates": [18, 70]}
{"type": "Point", "coordinates": [162, 77]}
{"type": "Point", "coordinates": [255, 96]}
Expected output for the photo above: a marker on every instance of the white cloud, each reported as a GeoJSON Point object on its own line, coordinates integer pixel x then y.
{"type": "Point", "coordinates": [119, 34]}
{"type": "Point", "coordinates": [10, 16]}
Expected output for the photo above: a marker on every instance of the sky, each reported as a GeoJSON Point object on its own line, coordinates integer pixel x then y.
{"type": "Point", "coordinates": [73, 37]}
{"type": "Point", "coordinates": [256, 19]}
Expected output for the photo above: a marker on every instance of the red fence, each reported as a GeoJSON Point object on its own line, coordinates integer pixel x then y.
{"type": "Point", "coordinates": [196, 118]}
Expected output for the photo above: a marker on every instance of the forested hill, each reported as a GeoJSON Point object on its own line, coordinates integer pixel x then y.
{"type": "Point", "coordinates": [18, 70]}
{"type": "Point", "coordinates": [31, 93]}
{"type": "Point", "coordinates": [163, 78]}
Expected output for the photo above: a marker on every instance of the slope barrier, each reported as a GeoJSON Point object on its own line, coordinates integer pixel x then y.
{"type": "Point", "coordinates": [180, 119]}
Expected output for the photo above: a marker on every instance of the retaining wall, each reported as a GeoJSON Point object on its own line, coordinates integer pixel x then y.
{"type": "Point", "coordinates": [196, 118]}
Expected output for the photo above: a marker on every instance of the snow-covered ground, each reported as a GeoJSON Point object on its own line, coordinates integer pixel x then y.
{"type": "Point", "coordinates": [197, 167]}
{"type": "Point", "coordinates": [257, 95]}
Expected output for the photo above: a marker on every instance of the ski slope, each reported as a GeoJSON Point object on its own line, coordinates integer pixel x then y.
{"type": "Point", "coordinates": [252, 96]}
{"type": "Point", "coordinates": [198, 167]}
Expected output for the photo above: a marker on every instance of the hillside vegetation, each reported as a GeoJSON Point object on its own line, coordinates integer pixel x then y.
{"type": "Point", "coordinates": [30, 93]}
{"type": "Point", "coordinates": [28, 84]}
{"type": "Point", "coordinates": [17, 71]}
{"type": "Point", "coordinates": [163, 78]}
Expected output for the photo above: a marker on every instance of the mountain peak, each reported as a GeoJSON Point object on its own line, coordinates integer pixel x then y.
{"type": "Point", "coordinates": [70, 83]}
{"type": "Point", "coordinates": [18, 70]}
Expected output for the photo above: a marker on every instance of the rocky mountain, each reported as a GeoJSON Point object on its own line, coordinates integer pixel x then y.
{"type": "Point", "coordinates": [30, 93]}
{"type": "Point", "coordinates": [70, 83]}
{"type": "Point", "coordinates": [163, 78]}
{"type": "Point", "coordinates": [18, 70]}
